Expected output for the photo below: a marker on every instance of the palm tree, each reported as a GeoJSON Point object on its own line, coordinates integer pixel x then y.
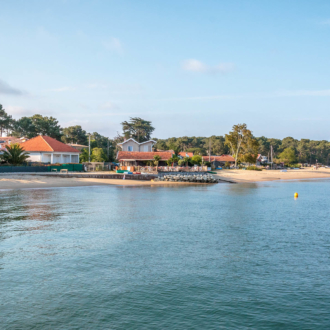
{"type": "Point", "coordinates": [15, 154]}
{"type": "Point", "coordinates": [157, 158]}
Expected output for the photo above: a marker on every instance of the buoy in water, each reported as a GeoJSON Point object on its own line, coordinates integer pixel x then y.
{"type": "Point", "coordinates": [295, 195]}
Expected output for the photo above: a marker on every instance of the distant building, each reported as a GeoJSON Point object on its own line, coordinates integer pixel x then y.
{"type": "Point", "coordinates": [139, 158]}
{"type": "Point", "coordinates": [261, 159]}
{"type": "Point", "coordinates": [8, 140]}
{"type": "Point", "coordinates": [79, 147]}
{"type": "Point", "coordinates": [132, 145]}
{"type": "Point", "coordinates": [218, 161]}
{"type": "Point", "coordinates": [45, 149]}
{"type": "Point", "coordinates": [186, 154]}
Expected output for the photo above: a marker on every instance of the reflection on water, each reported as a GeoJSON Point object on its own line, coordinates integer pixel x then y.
{"type": "Point", "coordinates": [185, 257]}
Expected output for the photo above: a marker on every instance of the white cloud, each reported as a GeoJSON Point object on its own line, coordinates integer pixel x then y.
{"type": "Point", "coordinates": [194, 65]}
{"type": "Point", "coordinates": [113, 44]}
{"type": "Point", "coordinates": [198, 66]}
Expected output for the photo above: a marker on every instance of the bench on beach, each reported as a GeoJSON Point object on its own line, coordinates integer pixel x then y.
{"type": "Point", "coordinates": [64, 171]}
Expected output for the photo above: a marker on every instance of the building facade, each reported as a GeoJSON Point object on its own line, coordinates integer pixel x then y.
{"type": "Point", "coordinates": [132, 145]}
{"type": "Point", "coordinates": [44, 149]}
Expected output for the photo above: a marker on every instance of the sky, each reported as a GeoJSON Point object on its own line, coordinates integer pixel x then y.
{"type": "Point", "coordinates": [193, 68]}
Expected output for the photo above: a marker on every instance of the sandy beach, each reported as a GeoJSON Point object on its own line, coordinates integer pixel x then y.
{"type": "Point", "coordinates": [272, 175]}
{"type": "Point", "coordinates": [32, 181]}
{"type": "Point", "coordinates": [19, 181]}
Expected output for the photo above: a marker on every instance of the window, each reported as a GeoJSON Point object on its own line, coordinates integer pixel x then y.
{"type": "Point", "coordinates": [130, 148]}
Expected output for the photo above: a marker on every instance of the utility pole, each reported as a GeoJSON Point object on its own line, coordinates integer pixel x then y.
{"type": "Point", "coordinates": [89, 147]}
{"type": "Point", "coordinates": [271, 155]}
{"type": "Point", "coordinates": [108, 150]}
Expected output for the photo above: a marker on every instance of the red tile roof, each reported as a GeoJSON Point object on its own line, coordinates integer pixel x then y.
{"type": "Point", "coordinates": [46, 143]}
{"type": "Point", "coordinates": [186, 154]}
{"type": "Point", "coordinates": [11, 140]}
{"type": "Point", "coordinates": [222, 158]}
{"type": "Point", "coordinates": [134, 155]}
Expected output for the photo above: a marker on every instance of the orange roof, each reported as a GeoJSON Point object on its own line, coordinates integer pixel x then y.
{"type": "Point", "coordinates": [186, 154]}
{"type": "Point", "coordinates": [222, 158]}
{"type": "Point", "coordinates": [46, 143]}
{"type": "Point", "coordinates": [134, 155]}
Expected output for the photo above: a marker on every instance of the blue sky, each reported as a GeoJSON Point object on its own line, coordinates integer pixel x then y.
{"type": "Point", "coordinates": [191, 67]}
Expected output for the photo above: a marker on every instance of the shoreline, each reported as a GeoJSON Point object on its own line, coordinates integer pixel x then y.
{"type": "Point", "coordinates": [12, 181]}
{"type": "Point", "coordinates": [245, 176]}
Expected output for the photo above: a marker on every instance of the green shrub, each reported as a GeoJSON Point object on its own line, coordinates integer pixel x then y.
{"type": "Point", "coordinates": [227, 165]}
{"type": "Point", "coordinates": [294, 165]}
{"type": "Point", "coordinates": [253, 168]}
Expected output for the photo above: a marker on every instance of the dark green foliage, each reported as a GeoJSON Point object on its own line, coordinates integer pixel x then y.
{"type": "Point", "coordinates": [253, 168]}
{"type": "Point", "coordinates": [6, 121]}
{"type": "Point", "coordinates": [138, 129]}
{"type": "Point", "coordinates": [15, 154]}
{"type": "Point", "coordinates": [196, 145]}
{"type": "Point", "coordinates": [74, 134]}
{"type": "Point", "coordinates": [37, 125]}
{"type": "Point", "coordinates": [196, 160]}
{"type": "Point", "coordinates": [98, 155]}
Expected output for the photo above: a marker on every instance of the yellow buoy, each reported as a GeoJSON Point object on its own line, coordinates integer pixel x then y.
{"type": "Point", "coordinates": [295, 195]}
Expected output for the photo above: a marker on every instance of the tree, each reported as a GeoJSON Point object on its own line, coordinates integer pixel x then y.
{"type": "Point", "coordinates": [98, 155]}
{"type": "Point", "coordinates": [196, 160]}
{"type": "Point", "coordinates": [47, 126]}
{"type": "Point", "coordinates": [37, 125]}
{"type": "Point", "coordinates": [108, 145]}
{"type": "Point", "coordinates": [157, 159]}
{"type": "Point", "coordinates": [288, 156]}
{"type": "Point", "coordinates": [24, 127]}
{"type": "Point", "coordinates": [250, 151]}
{"type": "Point", "coordinates": [84, 156]}
{"type": "Point", "coordinates": [15, 154]}
{"type": "Point", "coordinates": [138, 129]}
{"type": "Point", "coordinates": [6, 121]}
{"type": "Point", "coordinates": [169, 162]}
{"type": "Point", "coordinates": [181, 162]}
{"type": "Point", "coordinates": [175, 149]}
{"type": "Point", "coordinates": [74, 134]}
{"type": "Point", "coordinates": [237, 139]}
{"type": "Point", "coordinates": [187, 160]}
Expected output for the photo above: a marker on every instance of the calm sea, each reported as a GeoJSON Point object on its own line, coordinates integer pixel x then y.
{"type": "Point", "coordinates": [244, 256]}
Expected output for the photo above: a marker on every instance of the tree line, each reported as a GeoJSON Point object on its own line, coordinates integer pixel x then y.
{"type": "Point", "coordinates": [240, 142]}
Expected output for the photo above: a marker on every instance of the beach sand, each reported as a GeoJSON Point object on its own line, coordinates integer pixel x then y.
{"type": "Point", "coordinates": [19, 181]}
{"type": "Point", "coordinates": [272, 175]}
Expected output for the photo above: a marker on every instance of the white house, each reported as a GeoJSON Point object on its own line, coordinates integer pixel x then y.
{"type": "Point", "coordinates": [132, 145]}
{"type": "Point", "coordinates": [45, 149]}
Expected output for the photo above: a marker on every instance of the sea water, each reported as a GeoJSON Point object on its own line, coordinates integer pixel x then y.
{"type": "Point", "coordinates": [225, 256]}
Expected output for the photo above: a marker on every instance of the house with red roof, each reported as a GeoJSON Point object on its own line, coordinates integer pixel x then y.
{"type": "Point", "coordinates": [184, 154]}
{"type": "Point", "coordinates": [8, 140]}
{"type": "Point", "coordinates": [219, 160]}
{"type": "Point", "coordinates": [137, 158]}
{"type": "Point", "coordinates": [45, 149]}
{"type": "Point", "coordinates": [132, 145]}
